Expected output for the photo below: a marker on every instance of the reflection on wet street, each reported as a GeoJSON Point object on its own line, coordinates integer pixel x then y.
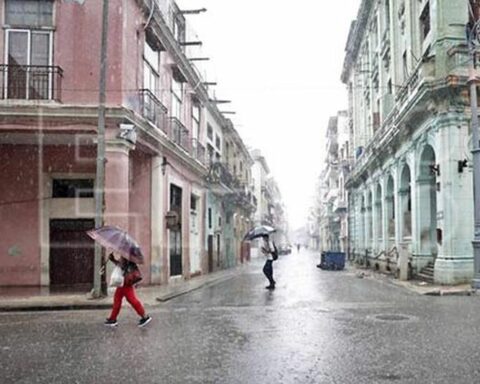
{"type": "Point", "coordinates": [315, 327]}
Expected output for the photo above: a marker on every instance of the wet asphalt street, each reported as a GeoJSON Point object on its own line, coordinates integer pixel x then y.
{"type": "Point", "coordinates": [316, 327]}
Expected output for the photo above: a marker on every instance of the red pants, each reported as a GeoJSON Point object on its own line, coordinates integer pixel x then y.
{"type": "Point", "coordinates": [129, 293]}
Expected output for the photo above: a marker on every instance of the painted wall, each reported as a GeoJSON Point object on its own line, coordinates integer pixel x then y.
{"type": "Point", "coordinates": [19, 229]}
{"type": "Point", "coordinates": [140, 207]}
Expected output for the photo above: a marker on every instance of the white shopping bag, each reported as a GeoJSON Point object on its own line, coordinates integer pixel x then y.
{"type": "Point", "coordinates": [116, 279]}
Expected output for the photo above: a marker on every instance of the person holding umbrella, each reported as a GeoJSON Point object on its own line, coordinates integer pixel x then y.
{"type": "Point", "coordinates": [127, 291]}
{"type": "Point", "coordinates": [130, 255]}
{"type": "Point", "coordinates": [268, 249]}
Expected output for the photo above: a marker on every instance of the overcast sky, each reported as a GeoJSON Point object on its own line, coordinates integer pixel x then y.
{"type": "Point", "coordinates": [279, 62]}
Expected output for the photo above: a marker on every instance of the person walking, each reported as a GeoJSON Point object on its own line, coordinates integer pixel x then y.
{"type": "Point", "coordinates": [267, 250]}
{"type": "Point", "coordinates": [127, 291]}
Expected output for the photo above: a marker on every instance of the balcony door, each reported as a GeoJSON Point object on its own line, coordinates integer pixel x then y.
{"type": "Point", "coordinates": [28, 56]}
{"type": "Point", "coordinates": [175, 234]}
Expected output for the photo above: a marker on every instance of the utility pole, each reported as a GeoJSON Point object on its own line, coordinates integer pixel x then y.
{"type": "Point", "coordinates": [100, 176]}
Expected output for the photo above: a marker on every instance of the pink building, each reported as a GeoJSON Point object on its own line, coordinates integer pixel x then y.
{"type": "Point", "coordinates": [48, 122]}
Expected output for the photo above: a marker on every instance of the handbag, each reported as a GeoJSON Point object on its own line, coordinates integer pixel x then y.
{"type": "Point", "coordinates": [117, 279]}
{"type": "Point", "coordinates": [132, 275]}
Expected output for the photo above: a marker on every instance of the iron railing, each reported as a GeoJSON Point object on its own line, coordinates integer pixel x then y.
{"type": "Point", "coordinates": [153, 109]}
{"type": "Point", "coordinates": [179, 134]}
{"type": "Point", "coordinates": [30, 82]}
{"type": "Point", "coordinates": [198, 151]}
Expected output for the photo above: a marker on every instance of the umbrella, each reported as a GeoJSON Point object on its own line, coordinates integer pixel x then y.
{"type": "Point", "coordinates": [118, 240]}
{"type": "Point", "coordinates": [259, 232]}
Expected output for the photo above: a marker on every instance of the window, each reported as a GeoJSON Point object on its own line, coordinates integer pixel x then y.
{"type": "Point", "coordinates": [29, 13]}
{"type": "Point", "coordinates": [29, 56]}
{"type": "Point", "coordinates": [387, 14]}
{"type": "Point", "coordinates": [193, 202]}
{"type": "Point", "coordinates": [196, 113]}
{"type": "Point", "coordinates": [177, 97]}
{"type": "Point", "coordinates": [209, 218]}
{"type": "Point", "coordinates": [179, 29]}
{"type": "Point", "coordinates": [405, 66]}
{"type": "Point", "coordinates": [425, 21]}
{"type": "Point", "coordinates": [211, 153]}
{"type": "Point", "coordinates": [71, 188]}
{"type": "Point", "coordinates": [151, 60]}
{"type": "Point", "coordinates": [217, 142]}
{"type": "Point", "coordinates": [209, 132]}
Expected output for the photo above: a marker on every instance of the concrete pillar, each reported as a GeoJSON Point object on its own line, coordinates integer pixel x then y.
{"type": "Point", "coordinates": [454, 263]}
{"type": "Point", "coordinates": [402, 264]}
{"type": "Point", "coordinates": [158, 219]}
{"type": "Point", "coordinates": [117, 182]}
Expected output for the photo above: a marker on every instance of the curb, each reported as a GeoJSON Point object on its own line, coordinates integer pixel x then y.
{"type": "Point", "coordinates": [422, 291]}
{"type": "Point", "coordinates": [181, 292]}
{"type": "Point", "coordinates": [92, 305]}
{"type": "Point", "coordinates": [48, 307]}
{"type": "Point", "coordinates": [441, 292]}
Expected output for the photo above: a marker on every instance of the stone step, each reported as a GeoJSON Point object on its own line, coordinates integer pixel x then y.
{"type": "Point", "coordinates": [425, 277]}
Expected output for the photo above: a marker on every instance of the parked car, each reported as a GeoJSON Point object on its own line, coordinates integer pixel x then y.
{"type": "Point", "coordinates": [284, 249]}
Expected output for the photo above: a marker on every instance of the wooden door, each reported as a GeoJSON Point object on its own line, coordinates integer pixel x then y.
{"type": "Point", "coordinates": [71, 254]}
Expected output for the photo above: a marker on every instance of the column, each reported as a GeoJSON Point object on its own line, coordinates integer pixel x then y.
{"type": "Point", "coordinates": [117, 167]}
{"type": "Point", "coordinates": [158, 219]}
{"type": "Point", "coordinates": [454, 263]}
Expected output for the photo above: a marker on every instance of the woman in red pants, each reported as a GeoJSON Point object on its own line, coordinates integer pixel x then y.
{"type": "Point", "coordinates": [127, 291]}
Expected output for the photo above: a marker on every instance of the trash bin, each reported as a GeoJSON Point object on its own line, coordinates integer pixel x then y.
{"type": "Point", "coordinates": [332, 261]}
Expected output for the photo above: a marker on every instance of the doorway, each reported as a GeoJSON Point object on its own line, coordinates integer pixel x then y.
{"type": "Point", "coordinates": [71, 254]}
{"type": "Point", "coordinates": [210, 253]}
{"type": "Point", "coordinates": [176, 267]}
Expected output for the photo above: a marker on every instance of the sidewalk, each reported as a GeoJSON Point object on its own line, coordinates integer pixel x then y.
{"type": "Point", "coordinates": [151, 295]}
{"type": "Point", "coordinates": [415, 286]}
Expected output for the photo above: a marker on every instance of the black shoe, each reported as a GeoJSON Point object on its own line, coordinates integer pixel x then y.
{"type": "Point", "coordinates": [144, 321]}
{"type": "Point", "coordinates": [111, 323]}
{"type": "Point", "coordinates": [270, 286]}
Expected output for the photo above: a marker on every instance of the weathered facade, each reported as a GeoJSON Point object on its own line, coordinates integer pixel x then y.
{"type": "Point", "coordinates": [411, 185]}
{"type": "Point", "coordinates": [270, 208]}
{"type": "Point", "coordinates": [159, 148]}
{"type": "Point", "coordinates": [328, 223]}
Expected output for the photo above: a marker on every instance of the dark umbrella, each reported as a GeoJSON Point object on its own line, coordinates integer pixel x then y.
{"type": "Point", "coordinates": [118, 240]}
{"type": "Point", "coordinates": [259, 231]}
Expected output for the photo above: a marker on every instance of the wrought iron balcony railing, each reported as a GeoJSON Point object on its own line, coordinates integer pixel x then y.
{"type": "Point", "coordinates": [198, 151]}
{"type": "Point", "coordinates": [179, 134]}
{"type": "Point", "coordinates": [153, 109]}
{"type": "Point", "coordinates": [30, 82]}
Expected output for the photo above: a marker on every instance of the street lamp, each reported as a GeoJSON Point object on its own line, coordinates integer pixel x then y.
{"type": "Point", "coordinates": [473, 38]}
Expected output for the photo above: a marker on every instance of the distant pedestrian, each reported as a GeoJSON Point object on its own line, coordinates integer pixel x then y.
{"type": "Point", "coordinates": [268, 249]}
{"type": "Point", "coordinates": [298, 247]}
{"type": "Point", "coordinates": [127, 290]}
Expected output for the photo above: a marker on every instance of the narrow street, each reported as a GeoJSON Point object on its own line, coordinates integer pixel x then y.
{"type": "Point", "coordinates": [316, 327]}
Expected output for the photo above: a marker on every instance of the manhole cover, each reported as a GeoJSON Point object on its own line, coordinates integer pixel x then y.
{"type": "Point", "coordinates": [392, 317]}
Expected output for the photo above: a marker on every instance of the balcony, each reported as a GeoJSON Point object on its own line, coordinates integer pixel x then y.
{"type": "Point", "coordinates": [339, 205]}
{"type": "Point", "coordinates": [30, 82]}
{"type": "Point", "coordinates": [198, 152]}
{"type": "Point", "coordinates": [179, 134]}
{"type": "Point", "coordinates": [153, 110]}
